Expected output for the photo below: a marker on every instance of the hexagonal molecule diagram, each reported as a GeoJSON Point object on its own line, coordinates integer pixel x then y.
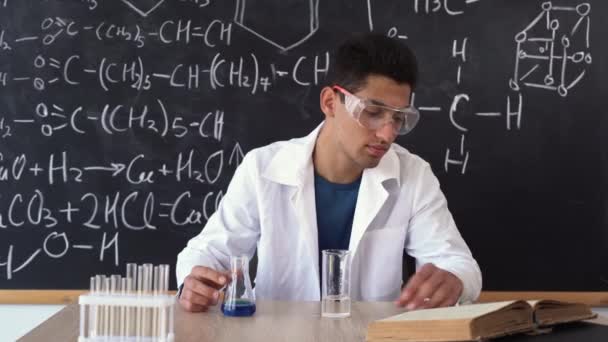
{"type": "Point", "coordinates": [143, 7]}
{"type": "Point", "coordinates": [284, 24]}
{"type": "Point", "coordinates": [553, 51]}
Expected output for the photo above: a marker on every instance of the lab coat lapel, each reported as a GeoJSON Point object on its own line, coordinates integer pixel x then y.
{"type": "Point", "coordinates": [303, 203]}
{"type": "Point", "coordinates": [293, 167]}
{"type": "Point", "coordinates": [372, 195]}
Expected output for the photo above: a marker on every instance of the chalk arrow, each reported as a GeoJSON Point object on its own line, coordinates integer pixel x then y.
{"type": "Point", "coordinates": [237, 153]}
{"type": "Point", "coordinates": [116, 168]}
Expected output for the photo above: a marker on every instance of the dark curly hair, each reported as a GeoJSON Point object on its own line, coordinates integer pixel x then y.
{"type": "Point", "coordinates": [372, 53]}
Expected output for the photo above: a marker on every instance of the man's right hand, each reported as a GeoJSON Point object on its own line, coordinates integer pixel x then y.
{"type": "Point", "coordinates": [201, 287]}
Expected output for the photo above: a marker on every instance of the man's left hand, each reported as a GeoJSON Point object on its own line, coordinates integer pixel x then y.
{"type": "Point", "coordinates": [430, 287]}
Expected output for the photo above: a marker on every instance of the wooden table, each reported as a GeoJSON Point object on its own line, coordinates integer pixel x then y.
{"type": "Point", "coordinates": [273, 321]}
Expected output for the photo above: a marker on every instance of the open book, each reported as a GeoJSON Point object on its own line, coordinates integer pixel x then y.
{"type": "Point", "coordinates": [476, 321]}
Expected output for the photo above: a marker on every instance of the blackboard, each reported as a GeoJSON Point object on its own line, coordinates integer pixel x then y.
{"type": "Point", "coordinates": [122, 122]}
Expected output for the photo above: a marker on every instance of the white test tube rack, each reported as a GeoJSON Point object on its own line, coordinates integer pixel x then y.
{"type": "Point", "coordinates": [137, 307]}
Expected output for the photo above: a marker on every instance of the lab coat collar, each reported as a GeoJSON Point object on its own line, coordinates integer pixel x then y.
{"type": "Point", "coordinates": [291, 163]}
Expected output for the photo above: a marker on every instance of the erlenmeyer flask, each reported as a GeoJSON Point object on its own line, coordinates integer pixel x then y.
{"type": "Point", "coordinates": [239, 299]}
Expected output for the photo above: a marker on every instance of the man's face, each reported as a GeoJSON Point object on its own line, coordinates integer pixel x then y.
{"type": "Point", "coordinates": [364, 146]}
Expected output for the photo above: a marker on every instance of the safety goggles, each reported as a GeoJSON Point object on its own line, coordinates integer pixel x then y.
{"type": "Point", "coordinates": [373, 115]}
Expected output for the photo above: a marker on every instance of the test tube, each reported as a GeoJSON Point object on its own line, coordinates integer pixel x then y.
{"type": "Point", "coordinates": [155, 311]}
{"type": "Point", "coordinates": [149, 269]}
{"type": "Point", "coordinates": [136, 272]}
{"type": "Point", "coordinates": [107, 314]}
{"type": "Point", "coordinates": [110, 315]}
{"type": "Point", "coordinates": [129, 318]}
{"type": "Point", "coordinates": [158, 310]}
{"type": "Point", "coordinates": [138, 318]}
{"type": "Point", "coordinates": [115, 320]}
{"type": "Point", "coordinates": [150, 311]}
{"type": "Point", "coordinates": [165, 287]}
{"type": "Point", "coordinates": [140, 278]}
{"type": "Point", "coordinates": [92, 308]}
{"type": "Point", "coordinates": [97, 309]}
{"type": "Point", "coordinates": [155, 287]}
{"type": "Point", "coordinates": [161, 279]}
{"type": "Point", "coordinates": [100, 308]}
{"type": "Point", "coordinates": [123, 318]}
{"type": "Point", "coordinates": [145, 284]}
{"type": "Point", "coordinates": [132, 274]}
{"type": "Point", "coordinates": [166, 270]}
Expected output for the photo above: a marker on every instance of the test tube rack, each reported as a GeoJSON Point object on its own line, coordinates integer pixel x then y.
{"type": "Point", "coordinates": [137, 307]}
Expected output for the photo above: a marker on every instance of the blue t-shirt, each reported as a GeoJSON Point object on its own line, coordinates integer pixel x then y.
{"type": "Point", "coordinates": [335, 205]}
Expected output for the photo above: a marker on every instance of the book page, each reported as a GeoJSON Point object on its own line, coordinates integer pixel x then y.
{"type": "Point", "coordinates": [549, 312]}
{"type": "Point", "coordinates": [450, 313]}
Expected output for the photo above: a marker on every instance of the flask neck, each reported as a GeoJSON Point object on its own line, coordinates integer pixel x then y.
{"type": "Point", "coordinates": [239, 265]}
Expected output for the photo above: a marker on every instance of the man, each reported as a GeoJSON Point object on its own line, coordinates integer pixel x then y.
{"type": "Point", "coordinates": [344, 186]}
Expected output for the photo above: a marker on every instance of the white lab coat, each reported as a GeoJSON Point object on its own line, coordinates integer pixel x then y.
{"type": "Point", "coordinates": [270, 204]}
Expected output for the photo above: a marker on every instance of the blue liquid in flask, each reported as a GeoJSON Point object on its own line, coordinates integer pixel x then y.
{"type": "Point", "coordinates": [238, 308]}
